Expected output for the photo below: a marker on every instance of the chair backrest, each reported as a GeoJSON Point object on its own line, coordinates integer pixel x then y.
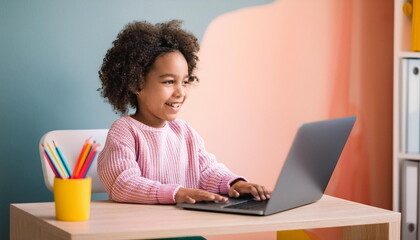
{"type": "Point", "coordinates": [70, 143]}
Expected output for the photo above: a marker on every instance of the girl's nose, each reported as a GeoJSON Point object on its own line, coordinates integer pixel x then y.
{"type": "Point", "coordinates": [179, 90]}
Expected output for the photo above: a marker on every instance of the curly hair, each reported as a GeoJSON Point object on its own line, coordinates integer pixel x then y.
{"type": "Point", "coordinates": [132, 55]}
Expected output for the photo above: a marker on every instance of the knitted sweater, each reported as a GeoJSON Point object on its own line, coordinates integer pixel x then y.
{"type": "Point", "coordinates": [142, 164]}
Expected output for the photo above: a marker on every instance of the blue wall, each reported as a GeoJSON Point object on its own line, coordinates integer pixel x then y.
{"type": "Point", "coordinates": [50, 53]}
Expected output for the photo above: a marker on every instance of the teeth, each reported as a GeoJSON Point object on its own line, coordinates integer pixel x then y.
{"type": "Point", "coordinates": [176, 105]}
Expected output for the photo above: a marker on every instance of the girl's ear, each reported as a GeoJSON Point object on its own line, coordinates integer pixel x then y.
{"type": "Point", "coordinates": [136, 90]}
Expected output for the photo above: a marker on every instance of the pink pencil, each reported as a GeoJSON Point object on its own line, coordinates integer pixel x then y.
{"type": "Point", "coordinates": [90, 164]}
{"type": "Point", "coordinates": [50, 163]}
{"type": "Point", "coordinates": [81, 159]}
{"type": "Point", "coordinates": [88, 161]}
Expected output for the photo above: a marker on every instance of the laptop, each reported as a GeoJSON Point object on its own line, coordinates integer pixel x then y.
{"type": "Point", "coordinates": [304, 177]}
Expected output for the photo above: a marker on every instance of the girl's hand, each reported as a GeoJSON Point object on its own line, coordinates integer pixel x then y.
{"type": "Point", "coordinates": [241, 187]}
{"type": "Point", "coordinates": [189, 195]}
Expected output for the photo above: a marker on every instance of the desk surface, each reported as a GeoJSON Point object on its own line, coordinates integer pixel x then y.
{"type": "Point", "coordinates": [110, 220]}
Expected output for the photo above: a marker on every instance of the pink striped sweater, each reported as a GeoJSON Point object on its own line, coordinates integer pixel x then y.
{"type": "Point", "coordinates": [141, 164]}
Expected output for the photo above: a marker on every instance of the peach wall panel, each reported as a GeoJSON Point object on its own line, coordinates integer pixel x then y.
{"type": "Point", "coordinates": [265, 70]}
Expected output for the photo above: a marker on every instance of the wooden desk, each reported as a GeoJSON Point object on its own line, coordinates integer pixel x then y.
{"type": "Point", "coordinates": [111, 220]}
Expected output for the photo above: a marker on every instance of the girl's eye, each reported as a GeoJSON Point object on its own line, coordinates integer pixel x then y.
{"type": "Point", "coordinates": [186, 82]}
{"type": "Point", "coordinates": [168, 82]}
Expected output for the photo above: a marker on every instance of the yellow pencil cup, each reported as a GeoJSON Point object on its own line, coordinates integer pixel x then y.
{"type": "Point", "coordinates": [72, 199]}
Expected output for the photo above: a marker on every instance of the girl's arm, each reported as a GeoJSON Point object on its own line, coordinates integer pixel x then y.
{"type": "Point", "coordinates": [122, 177]}
{"type": "Point", "coordinates": [215, 177]}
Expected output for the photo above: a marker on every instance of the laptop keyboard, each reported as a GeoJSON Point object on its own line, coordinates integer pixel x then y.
{"type": "Point", "coordinates": [251, 205]}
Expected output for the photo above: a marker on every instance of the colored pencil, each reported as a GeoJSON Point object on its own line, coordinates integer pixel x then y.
{"type": "Point", "coordinates": [88, 161]}
{"type": "Point", "coordinates": [50, 162]}
{"type": "Point", "coordinates": [49, 154]}
{"type": "Point", "coordinates": [82, 156]}
{"type": "Point", "coordinates": [63, 161]}
{"type": "Point", "coordinates": [90, 164]}
{"type": "Point", "coordinates": [60, 167]}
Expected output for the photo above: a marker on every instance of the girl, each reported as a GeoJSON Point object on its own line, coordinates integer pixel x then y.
{"type": "Point", "coordinates": [150, 156]}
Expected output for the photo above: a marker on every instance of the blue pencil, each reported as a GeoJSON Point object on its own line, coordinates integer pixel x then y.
{"type": "Point", "coordinates": [49, 159]}
{"type": "Point", "coordinates": [63, 161]}
{"type": "Point", "coordinates": [90, 164]}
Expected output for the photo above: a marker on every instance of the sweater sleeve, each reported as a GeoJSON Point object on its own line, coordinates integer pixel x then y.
{"type": "Point", "coordinates": [215, 177]}
{"type": "Point", "coordinates": [122, 177]}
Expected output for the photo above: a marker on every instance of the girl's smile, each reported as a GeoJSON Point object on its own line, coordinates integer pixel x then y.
{"type": "Point", "coordinates": [174, 106]}
{"type": "Point", "coordinates": [165, 89]}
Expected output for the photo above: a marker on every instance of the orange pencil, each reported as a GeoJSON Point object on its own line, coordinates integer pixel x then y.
{"type": "Point", "coordinates": [88, 161]}
{"type": "Point", "coordinates": [82, 157]}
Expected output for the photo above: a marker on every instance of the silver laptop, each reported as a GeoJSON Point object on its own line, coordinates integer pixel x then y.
{"type": "Point", "coordinates": [305, 174]}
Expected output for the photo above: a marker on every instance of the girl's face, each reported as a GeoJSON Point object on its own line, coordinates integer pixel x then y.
{"type": "Point", "coordinates": [165, 89]}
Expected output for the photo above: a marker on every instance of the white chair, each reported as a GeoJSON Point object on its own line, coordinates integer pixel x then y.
{"type": "Point", "coordinates": [70, 143]}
